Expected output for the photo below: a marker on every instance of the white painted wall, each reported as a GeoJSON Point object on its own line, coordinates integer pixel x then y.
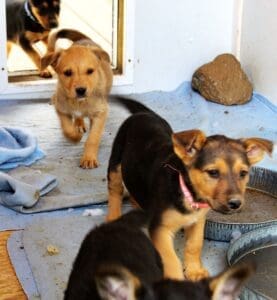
{"type": "Point", "coordinates": [258, 53]}
{"type": "Point", "coordinates": [173, 38]}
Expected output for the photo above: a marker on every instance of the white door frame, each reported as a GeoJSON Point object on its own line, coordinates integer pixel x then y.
{"type": "Point", "coordinates": [3, 48]}
{"type": "Point", "coordinates": [39, 89]}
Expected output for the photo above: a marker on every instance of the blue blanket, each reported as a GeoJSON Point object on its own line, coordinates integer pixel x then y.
{"type": "Point", "coordinates": [22, 188]}
{"type": "Point", "coordinates": [183, 108]}
{"type": "Point", "coordinates": [17, 147]}
{"type": "Point", "coordinates": [186, 109]}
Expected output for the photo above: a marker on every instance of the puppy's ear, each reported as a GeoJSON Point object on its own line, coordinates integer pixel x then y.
{"type": "Point", "coordinates": [186, 144]}
{"type": "Point", "coordinates": [256, 148]}
{"type": "Point", "coordinates": [102, 55]}
{"type": "Point", "coordinates": [227, 285]}
{"type": "Point", "coordinates": [50, 59]}
{"type": "Point", "coordinates": [116, 283]}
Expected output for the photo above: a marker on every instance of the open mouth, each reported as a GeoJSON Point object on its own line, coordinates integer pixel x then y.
{"type": "Point", "coordinates": [219, 207]}
{"type": "Point", "coordinates": [81, 95]}
{"type": "Point", "coordinates": [81, 98]}
{"type": "Point", "coordinates": [52, 25]}
{"type": "Point", "coordinates": [225, 210]}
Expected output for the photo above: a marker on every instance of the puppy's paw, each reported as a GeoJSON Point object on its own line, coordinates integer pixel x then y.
{"type": "Point", "coordinates": [74, 135]}
{"type": "Point", "coordinates": [195, 274]}
{"type": "Point", "coordinates": [80, 126]}
{"type": "Point", "coordinates": [45, 74]}
{"type": "Point", "coordinates": [88, 162]}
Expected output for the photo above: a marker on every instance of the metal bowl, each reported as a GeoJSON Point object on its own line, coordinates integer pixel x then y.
{"type": "Point", "coordinates": [263, 186]}
{"type": "Point", "coordinates": [259, 246]}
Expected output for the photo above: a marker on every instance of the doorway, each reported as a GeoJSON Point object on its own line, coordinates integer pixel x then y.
{"type": "Point", "coordinates": [98, 19]}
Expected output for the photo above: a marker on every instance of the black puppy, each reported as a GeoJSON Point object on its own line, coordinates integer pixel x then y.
{"type": "Point", "coordinates": [30, 21]}
{"type": "Point", "coordinates": [117, 261]}
{"type": "Point", "coordinates": [177, 178]}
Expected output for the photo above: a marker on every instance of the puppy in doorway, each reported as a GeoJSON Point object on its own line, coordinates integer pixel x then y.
{"type": "Point", "coordinates": [84, 82]}
{"type": "Point", "coordinates": [28, 22]}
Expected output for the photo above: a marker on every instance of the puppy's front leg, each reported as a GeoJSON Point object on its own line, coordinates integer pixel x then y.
{"type": "Point", "coordinates": [80, 125]}
{"type": "Point", "coordinates": [116, 189]}
{"type": "Point", "coordinates": [163, 241]}
{"type": "Point", "coordinates": [28, 48]}
{"type": "Point", "coordinates": [69, 129]}
{"type": "Point", "coordinates": [9, 47]}
{"type": "Point", "coordinates": [192, 255]}
{"type": "Point", "coordinates": [46, 73]}
{"type": "Point", "coordinates": [89, 158]}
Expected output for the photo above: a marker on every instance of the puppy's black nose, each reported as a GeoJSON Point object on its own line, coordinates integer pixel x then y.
{"type": "Point", "coordinates": [80, 91]}
{"type": "Point", "coordinates": [53, 23]}
{"type": "Point", "coordinates": [234, 203]}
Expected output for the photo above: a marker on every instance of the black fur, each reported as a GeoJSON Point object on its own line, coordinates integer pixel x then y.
{"type": "Point", "coordinates": [143, 146]}
{"type": "Point", "coordinates": [25, 29]}
{"type": "Point", "coordinates": [18, 22]}
{"type": "Point", "coordinates": [182, 290]}
{"type": "Point", "coordinates": [121, 242]}
{"type": "Point", "coordinates": [176, 178]}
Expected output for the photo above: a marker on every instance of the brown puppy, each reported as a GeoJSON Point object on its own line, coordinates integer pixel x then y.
{"type": "Point", "coordinates": [84, 83]}
{"type": "Point", "coordinates": [30, 21]}
{"type": "Point", "coordinates": [177, 178]}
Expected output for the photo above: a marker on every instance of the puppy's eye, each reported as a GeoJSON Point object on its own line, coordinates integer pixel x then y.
{"type": "Point", "coordinates": [213, 173]}
{"type": "Point", "coordinates": [243, 174]}
{"type": "Point", "coordinates": [67, 73]}
{"type": "Point", "coordinates": [90, 71]}
{"type": "Point", "coordinates": [191, 151]}
{"type": "Point", "coordinates": [43, 11]}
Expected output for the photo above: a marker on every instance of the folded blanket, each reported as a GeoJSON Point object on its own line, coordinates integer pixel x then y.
{"type": "Point", "coordinates": [17, 147]}
{"type": "Point", "coordinates": [23, 187]}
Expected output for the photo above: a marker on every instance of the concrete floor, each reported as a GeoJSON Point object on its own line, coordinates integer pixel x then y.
{"type": "Point", "coordinates": [182, 108]}
{"type": "Point", "coordinates": [52, 275]}
{"type": "Point", "coordinates": [62, 160]}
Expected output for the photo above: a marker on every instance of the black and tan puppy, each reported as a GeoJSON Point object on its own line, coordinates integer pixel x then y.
{"type": "Point", "coordinates": [177, 178]}
{"type": "Point", "coordinates": [30, 21]}
{"type": "Point", "coordinates": [117, 261]}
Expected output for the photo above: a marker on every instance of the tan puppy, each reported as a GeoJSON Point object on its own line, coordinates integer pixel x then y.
{"type": "Point", "coordinates": [84, 83]}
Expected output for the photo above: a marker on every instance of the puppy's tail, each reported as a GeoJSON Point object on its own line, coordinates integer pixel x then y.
{"type": "Point", "coordinates": [132, 106]}
{"type": "Point", "coordinates": [70, 34]}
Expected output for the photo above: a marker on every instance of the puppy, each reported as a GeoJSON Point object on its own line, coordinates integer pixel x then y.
{"type": "Point", "coordinates": [117, 261]}
{"type": "Point", "coordinates": [84, 83]}
{"type": "Point", "coordinates": [177, 178]}
{"type": "Point", "coordinates": [30, 21]}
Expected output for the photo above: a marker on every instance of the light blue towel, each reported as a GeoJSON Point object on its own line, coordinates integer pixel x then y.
{"type": "Point", "coordinates": [18, 147]}
{"type": "Point", "coordinates": [22, 188]}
